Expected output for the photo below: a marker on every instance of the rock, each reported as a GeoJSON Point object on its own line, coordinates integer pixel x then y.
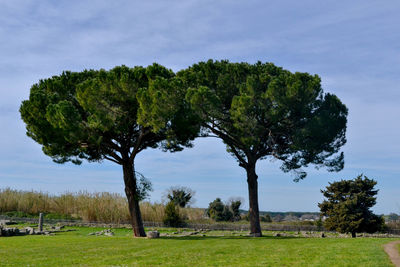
{"type": "Point", "coordinates": [4, 222]}
{"type": "Point", "coordinates": [8, 231]}
{"type": "Point", "coordinates": [16, 231]}
{"type": "Point", "coordinates": [153, 234]}
{"type": "Point", "coordinates": [30, 230]}
{"type": "Point", "coordinates": [109, 234]}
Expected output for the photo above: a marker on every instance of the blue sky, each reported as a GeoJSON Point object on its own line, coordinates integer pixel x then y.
{"type": "Point", "coordinates": [353, 45]}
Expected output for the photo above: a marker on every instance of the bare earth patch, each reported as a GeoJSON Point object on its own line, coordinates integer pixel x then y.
{"type": "Point", "coordinates": [392, 250]}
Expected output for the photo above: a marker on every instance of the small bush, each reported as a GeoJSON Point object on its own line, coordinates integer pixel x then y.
{"type": "Point", "coordinates": [266, 218]}
{"type": "Point", "coordinates": [171, 215]}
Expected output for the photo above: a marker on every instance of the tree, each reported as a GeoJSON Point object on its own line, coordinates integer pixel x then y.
{"type": "Point", "coordinates": [102, 115]}
{"type": "Point", "coordinates": [234, 205]}
{"type": "Point", "coordinates": [218, 211]}
{"type": "Point", "coordinates": [347, 206]}
{"type": "Point", "coordinates": [393, 217]}
{"type": "Point", "coordinates": [180, 195]}
{"type": "Point", "coordinates": [261, 111]}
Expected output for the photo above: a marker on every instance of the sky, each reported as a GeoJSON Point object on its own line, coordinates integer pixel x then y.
{"type": "Point", "coordinates": [354, 46]}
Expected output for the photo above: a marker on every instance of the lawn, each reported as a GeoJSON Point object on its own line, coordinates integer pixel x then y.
{"type": "Point", "coordinates": [76, 248]}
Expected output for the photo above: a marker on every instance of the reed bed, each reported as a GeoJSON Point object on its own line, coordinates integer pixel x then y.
{"type": "Point", "coordinates": [90, 207]}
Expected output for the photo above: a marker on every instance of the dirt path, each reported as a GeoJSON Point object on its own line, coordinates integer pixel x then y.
{"type": "Point", "coordinates": [393, 251]}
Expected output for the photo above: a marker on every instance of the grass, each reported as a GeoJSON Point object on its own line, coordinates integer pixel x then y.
{"type": "Point", "coordinates": [101, 206]}
{"type": "Point", "coordinates": [76, 248]}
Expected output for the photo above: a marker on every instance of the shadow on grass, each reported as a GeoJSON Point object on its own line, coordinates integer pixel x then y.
{"type": "Point", "coordinates": [183, 238]}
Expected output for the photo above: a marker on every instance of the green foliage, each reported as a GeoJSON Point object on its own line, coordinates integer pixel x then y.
{"type": "Point", "coordinates": [347, 206]}
{"type": "Point", "coordinates": [393, 217]}
{"type": "Point", "coordinates": [266, 218]}
{"type": "Point", "coordinates": [218, 211]}
{"type": "Point", "coordinates": [235, 208]}
{"type": "Point", "coordinates": [98, 115]}
{"type": "Point", "coordinates": [319, 224]}
{"type": "Point", "coordinates": [180, 196]}
{"type": "Point", "coordinates": [262, 111]}
{"type": "Point", "coordinates": [171, 215]}
{"type": "Point", "coordinates": [144, 187]}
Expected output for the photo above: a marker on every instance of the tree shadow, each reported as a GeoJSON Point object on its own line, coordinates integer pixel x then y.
{"type": "Point", "coordinates": [196, 237]}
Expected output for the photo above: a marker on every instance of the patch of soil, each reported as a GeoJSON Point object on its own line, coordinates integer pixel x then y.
{"type": "Point", "coordinates": [393, 251]}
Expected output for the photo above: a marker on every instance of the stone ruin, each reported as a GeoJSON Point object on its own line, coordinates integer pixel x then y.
{"type": "Point", "coordinates": [106, 232]}
{"type": "Point", "coordinates": [14, 231]}
{"type": "Point", "coordinates": [153, 234]}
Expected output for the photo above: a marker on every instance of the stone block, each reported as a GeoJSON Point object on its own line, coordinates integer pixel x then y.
{"type": "Point", "coordinates": [153, 234]}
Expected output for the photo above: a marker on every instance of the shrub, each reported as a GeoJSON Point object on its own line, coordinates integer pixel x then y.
{"type": "Point", "coordinates": [218, 211]}
{"type": "Point", "coordinates": [266, 218]}
{"type": "Point", "coordinates": [171, 216]}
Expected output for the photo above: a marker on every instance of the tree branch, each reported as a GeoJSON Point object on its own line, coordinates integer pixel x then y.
{"type": "Point", "coordinates": [111, 159]}
{"type": "Point", "coordinates": [117, 158]}
{"type": "Point", "coordinates": [143, 133]}
{"type": "Point", "coordinates": [242, 162]}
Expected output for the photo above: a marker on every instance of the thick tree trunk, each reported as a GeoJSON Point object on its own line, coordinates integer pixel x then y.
{"type": "Point", "coordinates": [133, 202]}
{"type": "Point", "coordinates": [254, 214]}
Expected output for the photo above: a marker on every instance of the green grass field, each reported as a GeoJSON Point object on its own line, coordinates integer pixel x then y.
{"type": "Point", "coordinates": [76, 248]}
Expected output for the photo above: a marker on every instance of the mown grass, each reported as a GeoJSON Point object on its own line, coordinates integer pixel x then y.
{"type": "Point", "coordinates": [78, 249]}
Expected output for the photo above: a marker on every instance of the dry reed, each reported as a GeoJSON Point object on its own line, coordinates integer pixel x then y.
{"type": "Point", "coordinates": [91, 207]}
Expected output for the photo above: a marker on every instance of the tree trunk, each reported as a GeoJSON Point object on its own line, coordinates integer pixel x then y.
{"type": "Point", "coordinates": [133, 202]}
{"type": "Point", "coordinates": [353, 234]}
{"type": "Point", "coordinates": [254, 214]}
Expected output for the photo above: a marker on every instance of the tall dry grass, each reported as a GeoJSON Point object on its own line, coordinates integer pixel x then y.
{"type": "Point", "coordinates": [91, 207]}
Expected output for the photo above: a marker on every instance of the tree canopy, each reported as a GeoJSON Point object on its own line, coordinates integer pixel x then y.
{"type": "Point", "coordinates": [180, 195]}
{"type": "Point", "coordinates": [347, 206]}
